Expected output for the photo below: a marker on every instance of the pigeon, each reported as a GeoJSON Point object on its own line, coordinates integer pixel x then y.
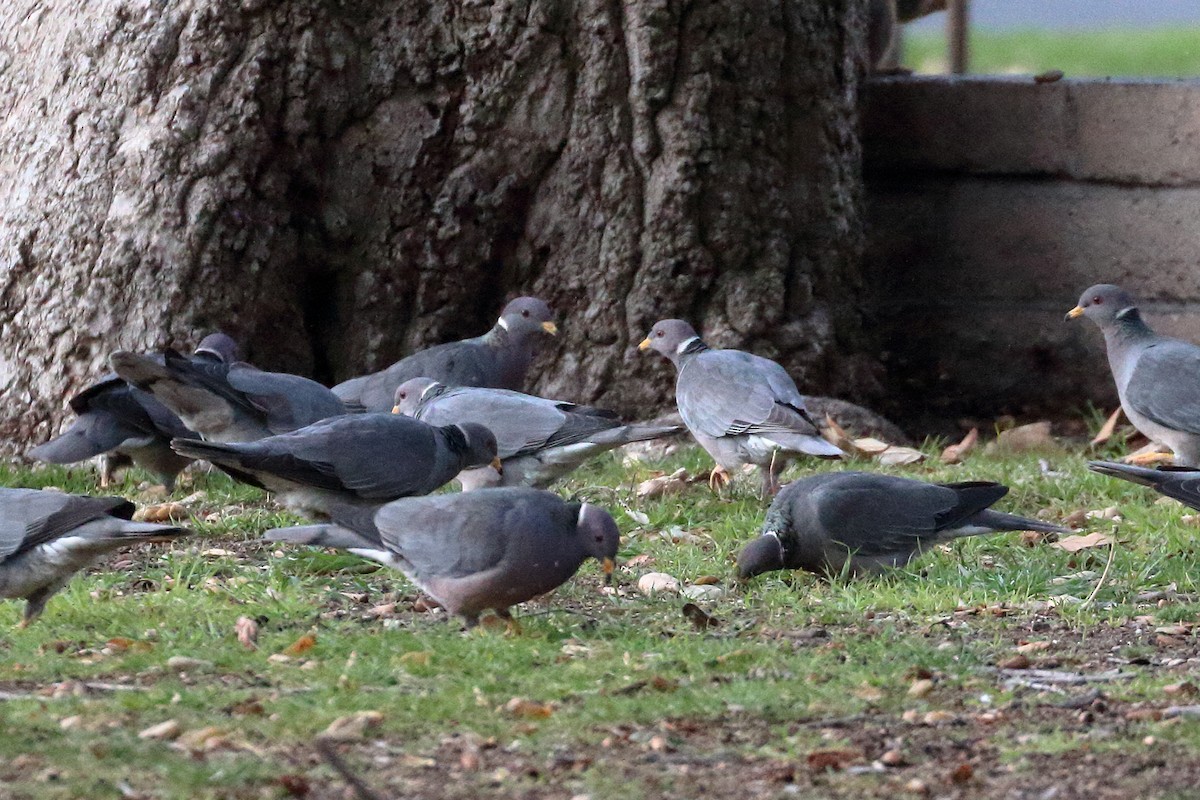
{"type": "Point", "coordinates": [355, 459]}
{"type": "Point", "coordinates": [1156, 376]}
{"type": "Point", "coordinates": [474, 551]}
{"type": "Point", "coordinates": [225, 402]}
{"type": "Point", "coordinates": [863, 523]}
{"type": "Point", "coordinates": [499, 359]}
{"type": "Point", "coordinates": [46, 537]}
{"type": "Point", "coordinates": [123, 424]}
{"type": "Point", "coordinates": [539, 440]}
{"type": "Point", "coordinates": [742, 408]}
{"type": "Point", "coordinates": [1181, 483]}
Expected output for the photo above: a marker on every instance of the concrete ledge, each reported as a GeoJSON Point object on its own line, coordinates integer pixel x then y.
{"type": "Point", "coordinates": [1134, 132]}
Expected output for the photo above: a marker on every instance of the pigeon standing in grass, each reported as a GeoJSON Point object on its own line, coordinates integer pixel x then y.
{"type": "Point", "coordinates": [539, 440]}
{"type": "Point", "coordinates": [499, 359]}
{"type": "Point", "coordinates": [352, 459]}
{"type": "Point", "coordinates": [225, 402]}
{"type": "Point", "coordinates": [863, 523]}
{"type": "Point", "coordinates": [1158, 378]}
{"type": "Point", "coordinates": [46, 537]}
{"type": "Point", "coordinates": [742, 408]}
{"type": "Point", "coordinates": [123, 425]}
{"type": "Point", "coordinates": [471, 552]}
{"type": "Point", "coordinates": [1180, 483]}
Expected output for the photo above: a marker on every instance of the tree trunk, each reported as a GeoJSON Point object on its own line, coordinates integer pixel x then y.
{"type": "Point", "coordinates": [337, 184]}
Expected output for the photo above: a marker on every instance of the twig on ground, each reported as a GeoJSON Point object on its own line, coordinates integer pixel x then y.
{"type": "Point", "coordinates": [1112, 549]}
{"type": "Point", "coordinates": [329, 752]}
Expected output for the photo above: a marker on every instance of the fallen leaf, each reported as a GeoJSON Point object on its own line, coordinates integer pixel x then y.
{"type": "Point", "coordinates": [164, 512]}
{"type": "Point", "coordinates": [302, 645]}
{"type": "Point", "coordinates": [1073, 544]}
{"type": "Point", "coordinates": [1049, 76]}
{"type": "Point", "coordinates": [869, 447]}
{"type": "Point", "coordinates": [1183, 688]}
{"type": "Point", "coordinates": [294, 785]}
{"type": "Point", "coordinates": [416, 658]}
{"type": "Point", "coordinates": [1018, 661]}
{"type": "Point", "coordinates": [706, 580]}
{"type": "Point", "coordinates": [640, 517]}
{"type": "Point", "coordinates": [662, 485]}
{"type": "Point", "coordinates": [892, 758]}
{"type": "Point", "coordinates": [184, 663]}
{"type": "Point", "coordinates": [920, 688]}
{"type": "Point", "coordinates": [657, 583]}
{"type": "Point", "coordinates": [837, 759]}
{"type": "Point", "coordinates": [199, 738]}
{"type": "Point", "coordinates": [702, 592]}
{"type": "Point", "coordinates": [938, 717]}
{"type": "Point", "coordinates": [836, 435]}
{"type": "Point", "coordinates": [1025, 438]}
{"type": "Point", "coordinates": [962, 773]}
{"type": "Point", "coordinates": [527, 709]}
{"type": "Point", "coordinates": [955, 452]}
{"type": "Point", "coordinates": [161, 732]}
{"type": "Point", "coordinates": [1076, 519]}
{"type": "Point", "coordinates": [352, 726]}
{"type": "Point", "coordinates": [1033, 647]}
{"type": "Point", "coordinates": [1111, 512]}
{"type": "Point", "coordinates": [872, 694]}
{"type": "Point", "coordinates": [247, 632]}
{"type": "Point", "coordinates": [1108, 428]}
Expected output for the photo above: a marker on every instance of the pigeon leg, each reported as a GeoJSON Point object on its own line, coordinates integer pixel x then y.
{"type": "Point", "coordinates": [107, 468]}
{"type": "Point", "coordinates": [718, 479]}
{"type": "Point", "coordinates": [513, 628]}
{"type": "Point", "coordinates": [35, 604]}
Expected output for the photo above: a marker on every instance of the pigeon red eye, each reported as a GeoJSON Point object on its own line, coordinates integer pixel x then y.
{"type": "Point", "coordinates": [659, 334]}
{"type": "Point", "coordinates": [1098, 300]}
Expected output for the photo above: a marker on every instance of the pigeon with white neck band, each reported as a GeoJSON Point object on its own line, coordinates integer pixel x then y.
{"type": "Point", "coordinates": [1157, 377]}
{"type": "Point", "coordinates": [499, 359]}
{"type": "Point", "coordinates": [742, 408]}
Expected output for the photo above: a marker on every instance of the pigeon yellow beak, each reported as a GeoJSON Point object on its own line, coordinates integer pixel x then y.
{"type": "Point", "coordinates": [609, 566]}
{"type": "Point", "coordinates": [550, 328]}
{"type": "Point", "coordinates": [395, 409]}
{"type": "Point", "coordinates": [496, 465]}
{"type": "Point", "coordinates": [645, 344]}
{"type": "Point", "coordinates": [1075, 312]}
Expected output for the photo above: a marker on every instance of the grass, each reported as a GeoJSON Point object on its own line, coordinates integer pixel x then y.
{"type": "Point", "coordinates": [1165, 52]}
{"type": "Point", "coordinates": [620, 684]}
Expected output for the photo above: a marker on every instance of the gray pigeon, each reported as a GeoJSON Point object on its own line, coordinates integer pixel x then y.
{"type": "Point", "coordinates": [1157, 377]}
{"type": "Point", "coordinates": [1181, 483]}
{"type": "Point", "coordinates": [355, 459]}
{"type": "Point", "coordinates": [228, 402]}
{"type": "Point", "coordinates": [46, 537]}
{"type": "Point", "coordinates": [539, 440]}
{"type": "Point", "coordinates": [864, 522]}
{"type": "Point", "coordinates": [488, 549]}
{"type": "Point", "coordinates": [123, 424]}
{"type": "Point", "coordinates": [742, 408]}
{"type": "Point", "coordinates": [499, 359]}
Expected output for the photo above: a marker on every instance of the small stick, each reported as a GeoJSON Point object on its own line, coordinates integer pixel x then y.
{"type": "Point", "coordinates": [330, 754]}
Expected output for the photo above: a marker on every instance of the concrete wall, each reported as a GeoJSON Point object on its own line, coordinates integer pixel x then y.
{"type": "Point", "coordinates": [992, 203]}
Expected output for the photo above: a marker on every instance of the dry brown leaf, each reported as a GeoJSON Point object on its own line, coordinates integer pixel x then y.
{"type": "Point", "coordinates": [1049, 76]}
{"type": "Point", "coordinates": [1073, 544]}
{"type": "Point", "coordinates": [528, 709]}
{"type": "Point", "coordinates": [839, 759]}
{"type": "Point", "coordinates": [920, 688]}
{"type": "Point", "coordinates": [1076, 519]}
{"type": "Point", "coordinates": [352, 726]}
{"type": "Point", "coordinates": [897, 455]}
{"type": "Point", "coordinates": [955, 452]}
{"type": "Point", "coordinates": [302, 645]}
{"type": "Point", "coordinates": [164, 512]}
{"type": "Point", "coordinates": [1033, 647]}
{"type": "Point", "coordinates": [1018, 661]}
{"type": "Point", "coordinates": [698, 617]}
{"type": "Point", "coordinates": [247, 632]}
{"type": "Point", "coordinates": [658, 583]}
{"type": "Point", "coordinates": [1108, 428]}
{"type": "Point", "coordinates": [1025, 438]}
{"type": "Point", "coordinates": [868, 446]}
{"type": "Point", "coordinates": [836, 435]}
{"type": "Point", "coordinates": [162, 731]}
{"type": "Point", "coordinates": [662, 485]}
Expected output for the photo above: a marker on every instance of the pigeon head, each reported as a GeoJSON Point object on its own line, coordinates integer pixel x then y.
{"type": "Point", "coordinates": [480, 448]}
{"type": "Point", "coordinates": [410, 394]}
{"type": "Point", "coordinates": [670, 337]}
{"type": "Point", "coordinates": [764, 554]}
{"type": "Point", "coordinates": [527, 316]}
{"type": "Point", "coordinates": [218, 347]}
{"type": "Point", "coordinates": [600, 536]}
{"type": "Point", "coordinates": [1106, 305]}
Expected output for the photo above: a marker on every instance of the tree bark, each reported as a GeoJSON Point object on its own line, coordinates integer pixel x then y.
{"type": "Point", "coordinates": [338, 184]}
